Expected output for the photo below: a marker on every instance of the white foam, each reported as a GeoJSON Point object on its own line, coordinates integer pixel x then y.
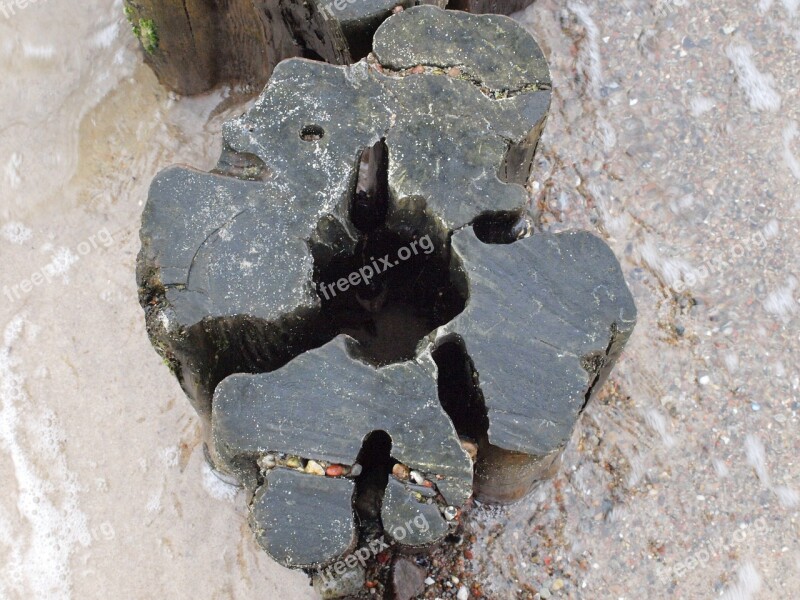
{"type": "Point", "coordinates": [38, 564]}
{"type": "Point", "coordinates": [731, 362]}
{"type": "Point", "coordinates": [38, 52]}
{"type": "Point", "coordinates": [61, 262]}
{"type": "Point", "coordinates": [16, 233]}
{"type": "Point", "coordinates": [105, 37]}
{"type": "Point", "coordinates": [215, 487]}
{"type": "Point", "coordinates": [757, 458]}
{"type": "Point", "coordinates": [758, 86]}
{"type": "Point", "coordinates": [12, 170]}
{"type": "Point", "coordinates": [789, 134]}
{"type": "Point", "coordinates": [669, 270]}
{"type": "Point", "coordinates": [781, 302]}
{"type": "Point", "coordinates": [747, 585]}
{"type": "Point", "coordinates": [658, 423]}
{"type": "Point", "coordinates": [791, 6]}
{"type": "Point", "coordinates": [589, 53]}
{"type": "Point", "coordinates": [701, 105]}
{"type": "Point", "coordinates": [154, 501]}
{"type": "Point", "coordinates": [772, 229]}
{"type": "Point", "coordinates": [170, 456]}
{"type": "Point", "coordinates": [788, 497]}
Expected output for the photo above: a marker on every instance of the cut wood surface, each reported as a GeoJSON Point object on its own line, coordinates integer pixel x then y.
{"type": "Point", "coordinates": [355, 301]}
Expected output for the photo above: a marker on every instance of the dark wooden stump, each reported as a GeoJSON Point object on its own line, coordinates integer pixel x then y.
{"type": "Point", "coordinates": [354, 304]}
{"type": "Point", "coordinates": [196, 45]}
{"type": "Point", "coordinates": [500, 7]}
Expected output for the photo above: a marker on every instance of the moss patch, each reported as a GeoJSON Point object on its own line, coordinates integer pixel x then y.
{"type": "Point", "coordinates": [145, 30]}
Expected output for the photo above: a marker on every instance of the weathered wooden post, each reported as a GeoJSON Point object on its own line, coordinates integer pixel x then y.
{"type": "Point", "coordinates": [196, 45]}
{"type": "Point", "coordinates": [356, 305]}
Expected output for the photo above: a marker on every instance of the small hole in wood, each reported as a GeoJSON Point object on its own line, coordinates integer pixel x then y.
{"type": "Point", "coordinates": [312, 133]}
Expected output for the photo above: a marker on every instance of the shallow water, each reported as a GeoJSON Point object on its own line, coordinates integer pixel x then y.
{"type": "Point", "coordinates": [673, 135]}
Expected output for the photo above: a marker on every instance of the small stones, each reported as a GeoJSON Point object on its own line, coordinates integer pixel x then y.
{"type": "Point", "coordinates": [267, 462]}
{"type": "Point", "coordinates": [463, 593]}
{"type": "Point", "coordinates": [294, 462]}
{"type": "Point", "coordinates": [430, 581]}
{"type": "Point", "coordinates": [557, 585]}
{"type": "Point", "coordinates": [408, 580]}
{"type": "Point", "coordinates": [450, 513]}
{"type": "Point", "coordinates": [401, 472]}
{"type": "Point", "coordinates": [311, 467]}
{"type": "Point", "coordinates": [314, 468]}
{"type": "Point", "coordinates": [454, 72]}
{"type": "Point", "coordinates": [417, 477]}
{"type": "Point", "coordinates": [335, 471]}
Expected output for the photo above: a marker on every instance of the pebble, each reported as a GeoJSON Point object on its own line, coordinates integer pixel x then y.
{"type": "Point", "coordinates": [334, 471]}
{"type": "Point", "coordinates": [408, 579]}
{"type": "Point", "coordinates": [704, 380]}
{"type": "Point", "coordinates": [430, 581]}
{"type": "Point", "coordinates": [417, 477]}
{"type": "Point", "coordinates": [755, 406]}
{"type": "Point", "coordinates": [355, 470]}
{"type": "Point", "coordinates": [558, 584]}
{"type": "Point", "coordinates": [454, 72]}
{"type": "Point", "coordinates": [400, 471]}
{"type": "Point", "coordinates": [267, 462]}
{"type": "Point", "coordinates": [294, 462]}
{"type": "Point", "coordinates": [314, 468]}
{"type": "Point", "coordinates": [450, 513]}
{"type": "Point", "coordinates": [545, 594]}
{"type": "Point", "coordinates": [463, 593]}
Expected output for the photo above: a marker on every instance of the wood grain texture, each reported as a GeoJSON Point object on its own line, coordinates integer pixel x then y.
{"type": "Point", "coordinates": [196, 45]}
